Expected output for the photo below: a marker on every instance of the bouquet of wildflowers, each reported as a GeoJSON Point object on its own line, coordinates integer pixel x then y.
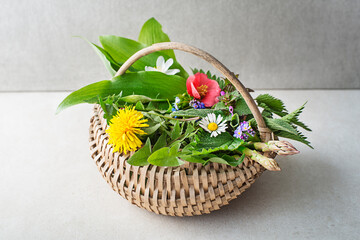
{"type": "Point", "coordinates": [159, 114]}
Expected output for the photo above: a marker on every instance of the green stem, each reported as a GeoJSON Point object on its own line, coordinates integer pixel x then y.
{"type": "Point", "coordinates": [170, 118]}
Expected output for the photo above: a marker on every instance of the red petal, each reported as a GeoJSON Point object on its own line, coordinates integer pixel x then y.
{"type": "Point", "coordinates": [212, 94]}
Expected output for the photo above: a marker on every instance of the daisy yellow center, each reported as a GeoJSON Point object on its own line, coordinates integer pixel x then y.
{"type": "Point", "coordinates": [212, 126]}
{"type": "Point", "coordinates": [202, 90]}
{"type": "Point", "coordinates": [124, 130]}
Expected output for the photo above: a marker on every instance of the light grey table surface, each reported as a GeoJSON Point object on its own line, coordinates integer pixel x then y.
{"type": "Point", "coordinates": [51, 189]}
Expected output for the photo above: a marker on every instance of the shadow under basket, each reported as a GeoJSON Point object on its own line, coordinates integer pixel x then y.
{"type": "Point", "coordinates": [187, 190]}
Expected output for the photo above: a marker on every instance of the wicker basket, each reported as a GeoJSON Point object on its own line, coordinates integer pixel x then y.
{"type": "Point", "coordinates": [187, 190]}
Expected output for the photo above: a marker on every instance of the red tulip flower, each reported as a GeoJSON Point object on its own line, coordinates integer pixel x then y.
{"type": "Point", "coordinates": [201, 87]}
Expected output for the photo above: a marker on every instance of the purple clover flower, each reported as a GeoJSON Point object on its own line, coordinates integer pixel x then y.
{"type": "Point", "coordinates": [222, 93]}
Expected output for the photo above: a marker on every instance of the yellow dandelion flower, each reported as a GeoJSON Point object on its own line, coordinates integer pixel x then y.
{"type": "Point", "coordinates": [124, 129]}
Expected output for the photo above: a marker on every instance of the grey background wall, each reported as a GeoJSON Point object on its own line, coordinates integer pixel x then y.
{"type": "Point", "coordinates": [271, 44]}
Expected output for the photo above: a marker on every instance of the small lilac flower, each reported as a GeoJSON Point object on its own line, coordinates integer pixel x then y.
{"type": "Point", "coordinates": [196, 104]}
{"type": "Point", "coordinates": [222, 93]}
{"type": "Point", "coordinates": [231, 110]}
{"type": "Point", "coordinates": [173, 109]}
{"type": "Point", "coordinates": [243, 130]}
{"type": "Point", "coordinates": [251, 132]}
{"type": "Point", "coordinates": [244, 126]}
{"type": "Point", "coordinates": [237, 133]}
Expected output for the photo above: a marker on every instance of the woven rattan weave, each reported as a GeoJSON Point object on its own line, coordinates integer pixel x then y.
{"type": "Point", "coordinates": [191, 189]}
{"type": "Point", "coordinates": [187, 190]}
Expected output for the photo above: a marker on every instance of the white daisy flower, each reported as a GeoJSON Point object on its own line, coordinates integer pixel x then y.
{"type": "Point", "coordinates": [213, 124]}
{"type": "Point", "coordinates": [162, 66]}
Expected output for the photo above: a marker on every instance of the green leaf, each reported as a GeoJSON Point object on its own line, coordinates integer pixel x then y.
{"type": "Point", "coordinates": [151, 129]}
{"type": "Point", "coordinates": [218, 160]}
{"type": "Point", "coordinates": [270, 110]}
{"type": "Point", "coordinates": [139, 158]}
{"type": "Point", "coordinates": [150, 84]}
{"type": "Point", "coordinates": [151, 33]}
{"type": "Point", "coordinates": [122, 49]}
{"type": "Point", "coordinates": [206, 144]}
{"type": "Point", "coordinates": [241, 108]}
{"type": "Point", "coordinates": [233, 160]}
{"type": "Point", "coordinates": [140, 98]}
{"type": "Point", "coordinates": [160, 143]}
{"type": "Point", "coordinates": [108, 108]}
{"type": "Point", "coordinates": [139, 106]}
{"type": "Point", "coordinates": [195, 113]}
{"type": "Point", "coordinates": [297, 137]}
{"type": "Point", "coordinates": [108, 61]}
{"type": "Point", "coordinates": [166, 157]}
{"type": "Point", "coordinates": [272, 102]}
{"type": "Point", "coordinates": [235, 120]}
{"type": "Point", "coordinates": [294, 118]}
{"type": "Point", "coordinates": [194, 159]}
{"type": "Point", "coordinates": [280, 125]}
{"type": "Point", "coordinates": [176, 132]}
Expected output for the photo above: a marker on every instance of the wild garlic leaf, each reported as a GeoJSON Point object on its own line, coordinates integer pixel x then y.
{"type": "Point", "coordinates": [139, 158]}
{"type": "Point", "coordinates": [151, 32]}
{"type": "Point", "coordinates": [150, 84]}
{"type": "Point", "coordinates": [121, 49]}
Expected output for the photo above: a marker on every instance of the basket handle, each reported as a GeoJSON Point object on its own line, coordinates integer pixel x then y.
{"type": "Point", "coordinates": [265, 133]}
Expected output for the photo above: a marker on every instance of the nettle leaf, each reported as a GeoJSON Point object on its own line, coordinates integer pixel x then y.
{"type": "Point", "coordinates": [297, 137]}
{"type": "Point", "coordinates": [122, 49]}
{"type": "Point", "coordinates": [195, 113]}
{"type": "Point", "coordinates": [139, 158]}
{"type": "Point", "coordinates": [280, 125]}
{"type": "Point", "coordinates": [294, 118]}
{"type": "Point", "coordinates": [221, 105]}
{"type": "Point", "coordinates": [268, 109]}
{"type": "Point", "coordinates": [151, 32]}
{"type": "Point", "coordinates": [206, 144]}
{"type": "Point", "coordinates": [241, 108]}
{"type": "Point", "coordinates": [166, 157]}
{"type": "Point", "coordinates": [150, 84]}
{"type": "Point", "coordinates": [272, 102]}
